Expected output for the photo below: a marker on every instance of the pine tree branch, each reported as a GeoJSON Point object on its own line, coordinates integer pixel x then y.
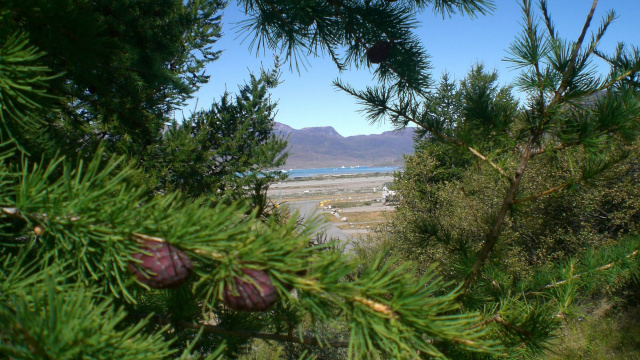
{"type": "Point", "coordinates": [577, 276]}
{"type": "Point", "coordinates": [305, 340]}
{"type": "Point", "coordinates": [574, 54]}
{"type": "Point", "coordinates": [277, 12]}
{"type": "Point", "coordinates": [14, 213]}
{"type": "Point", "coordinates": [359, 39]}
{"type": "Point", "coordinates": [532, 37]}
{"type": "Point", "coordinates": [498, 319]}
{"type": "Point", "coordinates": [613, 81]}
{"type": "Point", "coordinates": [526, 153]}
{"type": "Point", "coordinates": [432, 131]}
{"type": "Point", "coordinates": [485, 159]}
{"type": "Point", "coordinates": [324, 40]}
{"type": "Point", "coordinates": [246, 334]}
{"type": "Point", "coordinates": [546, 192]}
{"type": "Point", "coordinates": [563, 146]}
{"type": "Point", "coordinates": [35, 345]}
{"type": "Point", "coordinates": [375, 306]}
{"type": "Point", "coordinates": [492, 235]}
{"type": "Point", "coordinates": [451, 140]}
{"type": "Point", "coordinates": [547, 19]}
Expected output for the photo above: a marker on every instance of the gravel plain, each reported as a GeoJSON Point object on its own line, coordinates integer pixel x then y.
{"type": "Point", "coordinates": [308, 194]}
{"type": "Point", "coordinates": [330, 185]}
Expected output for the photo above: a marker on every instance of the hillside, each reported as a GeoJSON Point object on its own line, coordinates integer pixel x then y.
{"type": "Point", "coordinates": [324, 147]}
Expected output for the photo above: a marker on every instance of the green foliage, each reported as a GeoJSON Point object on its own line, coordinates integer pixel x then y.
{"type": "Point", "coordinates": [123, 66]}
{"type": "Point", "coordinates": [229, 150]}
{"type": "Point", "coordinates": [503, 195]}
{"type": "Point", "coordinates": [91, 218]}
{"type": "Point", "coordinates": [46, 323]}
{"type": "Point", "coordinates": [346, 30]}
{"type": "Point", "coordinates": [23, 81]}
{"type": "Point", "coordinates": [91, 221]}
{"type": "Point", "coordinates": [538, 199]}
{"type": "Point", "coordinates": [120, 67]}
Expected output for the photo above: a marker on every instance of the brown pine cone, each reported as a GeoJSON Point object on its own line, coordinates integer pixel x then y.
{"type": "Point", "coordinates": [248, 296]}
{"type": "Point", "coordinates": [379, 52]}
{"type": "Point", "coordinates": [167, 267]}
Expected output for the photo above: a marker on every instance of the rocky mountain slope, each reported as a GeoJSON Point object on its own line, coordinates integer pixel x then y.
{"type": "Point", "coordinates": [315, 147]}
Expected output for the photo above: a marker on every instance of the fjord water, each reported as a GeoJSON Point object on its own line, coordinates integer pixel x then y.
{"type": "Point", "coordinates": [296, 173]}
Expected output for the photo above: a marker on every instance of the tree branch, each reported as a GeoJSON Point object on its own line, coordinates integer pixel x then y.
{"type": "Point", "coordinates": [348, 28]}
{"type": "Point", "coordinates": [375, 306]}
{"type": "Point", "coordinates": [577, 276]}
{"type": "Point", "coordinates": [574, 54]}
{"type": "Point", "coordinates": [563, 146]}
{"type": "Point", "coordinates": [492, 235]}
{"type": "Point", "coordinates": [438, 134]}
{"type": "Point", "coordinates": [547, 20]}
{"type": "Point", "coordinates": [536, 65]}
{"type": "Point", "coordinates": [14, 213]}
{"type": "Point", "coordinates": [498, 319]}
{"type": "Point", "coordinates": [613, 81]}
{"type": "Point", "coordinates": [246, 334]}
{"type": "Point", "coordinates": [546, 192]}
{"type": "Point", "coordinates": [526, 153]}
{"type": "Point", "coordinates": [485, 159]}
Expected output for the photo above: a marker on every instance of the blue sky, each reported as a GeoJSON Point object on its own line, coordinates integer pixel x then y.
{"type": "Point", "coordinates": [308, 99]}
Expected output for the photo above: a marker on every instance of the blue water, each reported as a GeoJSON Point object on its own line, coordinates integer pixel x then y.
{"type": "Point", "coordinates": [340, 171]}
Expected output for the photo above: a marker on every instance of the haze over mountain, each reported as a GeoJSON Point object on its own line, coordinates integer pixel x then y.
{"type": "Point", "coordinates": [315, 147]}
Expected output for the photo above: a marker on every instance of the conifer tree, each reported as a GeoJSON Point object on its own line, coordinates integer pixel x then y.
{"type": "Point", "coordinates": [122, 67]}
{"type": "Point", "coordinates": [227, 151]}
{"type": "Point", "coordinates": [491, 170]}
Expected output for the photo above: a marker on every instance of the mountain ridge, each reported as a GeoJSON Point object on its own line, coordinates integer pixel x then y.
{"type": "Point", "coordinates": [323, 146]}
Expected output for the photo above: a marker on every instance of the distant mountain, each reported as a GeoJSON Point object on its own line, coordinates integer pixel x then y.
{"type": "Point", "coordinates": [314, 147]}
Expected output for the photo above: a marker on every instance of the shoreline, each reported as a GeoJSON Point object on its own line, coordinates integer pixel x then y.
{"type": "Point", "coordinates": [337, 176]}
{"type": "Point", "coordinates": [329, 185]}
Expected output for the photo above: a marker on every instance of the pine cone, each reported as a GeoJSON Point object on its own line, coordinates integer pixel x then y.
{"type": "Point", "coordinates": [251, 297]}
{"type": "Point", "coordinates": [167, 267]}
{"type": "Point", "coordinates": [379, 52]}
